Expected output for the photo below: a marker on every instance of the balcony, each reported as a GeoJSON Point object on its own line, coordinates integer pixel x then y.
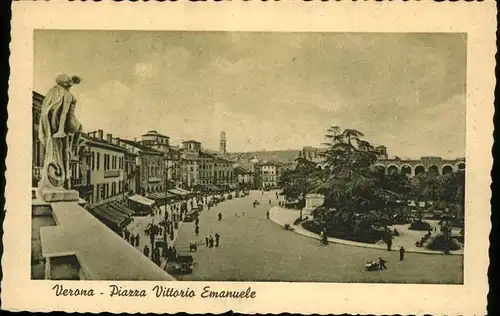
{"type": "Point", "coordinates": [111, 173]}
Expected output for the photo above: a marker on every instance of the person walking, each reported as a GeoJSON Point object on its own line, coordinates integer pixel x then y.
{"type": "Point", "coordinates": [219, 216]}
{"type": "Point", "coordinates": [210, 242]}
{"type": "Point", "coordinates": [389, 242]}
{"type": "Point", "coordinates": [381, 263]}
{"type": "Point", "coordinates": [197, 230]}
{"type": "Point", "coordinates": [137, 239]}
{"type": "Point", "coordinates": [206, 241]}
{"type": "Point", "coordinates": [146, 251]}
{"type": "Point", "coordinates": [217, 236]}
{"type": "Point", "coordinates": [269, 202]}
{"type": "Point", "coordinates": [267, 213]}
{"type": "Point", "coordinates": [174, 253]}
{"type": "Point", "coordinates": [401, 254]}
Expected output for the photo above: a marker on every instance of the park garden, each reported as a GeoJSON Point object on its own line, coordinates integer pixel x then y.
{"type": "Point", "coordinates": [363, 203]}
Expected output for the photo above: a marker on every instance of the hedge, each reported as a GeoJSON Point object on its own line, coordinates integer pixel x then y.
{"type": "Point", "coordinates": [346, 233]}
{"type": "Point", "coordinates": [420, 225]}
{"type": "Point", "coordinates": [440, 242]}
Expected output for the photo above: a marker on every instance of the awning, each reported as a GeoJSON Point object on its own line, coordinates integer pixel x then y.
{"type": "Point", "coordinates": [122, 208]}
{"type": "Point", "coordinates": [160, 196]}
{"type": "Point", "coordinates": [141, 199]}
{"type": "Point", "coordinates": [213, 187]}
{"type": "Point", "coordinates": [111, 215]}
{"type": "Point", "coordinates": [177, 192]}
{"type": "Point", "coordinates": [232, 186]}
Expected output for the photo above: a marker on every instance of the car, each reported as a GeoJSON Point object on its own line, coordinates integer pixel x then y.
{"type": "Point", "coordinates": [184, 264]}
{"type": "Point", "coordinates": [229, 197]}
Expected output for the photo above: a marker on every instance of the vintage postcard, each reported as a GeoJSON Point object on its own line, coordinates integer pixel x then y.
{"type": "Point", "coordinates": [307, 157]}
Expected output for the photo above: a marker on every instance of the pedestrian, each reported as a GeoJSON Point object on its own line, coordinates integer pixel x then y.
{"type": "Point", "coordinates": [137, 240]}
{"type": "Point", "coordinates": [132, 239]}
{"type": "Point", "coordinates": [206, 241]}
{"type": "Point", "coordinates": [197, 230]}
{"type": "Point", "coordinates": [210, 242]}
{"type": "Point", "coordinates": [381, 263]}
{"type": "Point", "coordinates": [217, 236]}
{"type": "Point", "coordinates": [269, 202]}
{"type": "Point", "coordinates": [146, 250]}
{"type": "Point", "coordinates": [267, 213]}
{"type": "Point", "coordinates": [401, 254]}
{"type": "Point", "coordinates": [389, 243]}
{"type": "Point", "coordinates": [169, 253]}
{"type": "Point", "coordinates": [219, 216]}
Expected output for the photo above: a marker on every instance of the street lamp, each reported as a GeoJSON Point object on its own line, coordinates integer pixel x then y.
{"type": "Point", "coordinates": [167, 168]}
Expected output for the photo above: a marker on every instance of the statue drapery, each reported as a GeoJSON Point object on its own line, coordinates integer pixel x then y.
{"type": "Point", "coordinates": [59, 133]}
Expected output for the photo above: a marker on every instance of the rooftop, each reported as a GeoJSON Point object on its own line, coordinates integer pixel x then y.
{"type": "Point", "coordinates": [102, 143]}
{"type": "Point", "coordinates": [78, 232]}
{"type": "Point", "coordinates": [191, 141]}
{"type": "Point", "coordinates": [154, 133]}
{"type": "Point", "coordinates": [143, 148]}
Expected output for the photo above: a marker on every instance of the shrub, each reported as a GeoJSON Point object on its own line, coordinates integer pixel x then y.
{"type": "Point", "coordinates": [440, 242]}
{"type": "Point", "coordinates": [343, 232]}
{"type": "Point", "coordinates": [420, 225]}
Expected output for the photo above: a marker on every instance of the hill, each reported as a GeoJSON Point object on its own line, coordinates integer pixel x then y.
{"type": "Point", "coordinates": [268, 155]}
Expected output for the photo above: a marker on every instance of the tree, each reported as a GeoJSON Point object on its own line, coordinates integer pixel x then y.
{"type": "Point", "coordinates": [300, 181]}
{"type": "Point", "coordinates": [361, 198]}
{"type": "Point", "coordinates": [347, 153]}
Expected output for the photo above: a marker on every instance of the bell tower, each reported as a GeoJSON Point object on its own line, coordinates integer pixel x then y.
{"type": "Point", "coordinates": [222, 143]}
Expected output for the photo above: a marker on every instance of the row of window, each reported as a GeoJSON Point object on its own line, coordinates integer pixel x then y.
{"type": "Point", "coordinates": [103, 191]}
{"type": "Point", "coordinates": [111, 162]}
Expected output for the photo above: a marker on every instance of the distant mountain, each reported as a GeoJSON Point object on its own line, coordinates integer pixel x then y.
{"type": "Point", "coordinates": [288, 155]}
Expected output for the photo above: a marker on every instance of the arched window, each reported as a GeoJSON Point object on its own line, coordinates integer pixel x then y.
{"type": "Point", "coordinates": [419, 170]}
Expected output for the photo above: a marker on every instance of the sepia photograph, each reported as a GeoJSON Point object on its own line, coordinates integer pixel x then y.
{"type": "Point", "coordinates": [248, 156]}
{"type": "Point", "coordinates": [255, 157]}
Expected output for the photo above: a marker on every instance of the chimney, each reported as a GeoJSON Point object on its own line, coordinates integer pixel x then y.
{"type": "Point", "coordinates": [109, 138]}
{"type": "Point", "coordinates": [100, 134]}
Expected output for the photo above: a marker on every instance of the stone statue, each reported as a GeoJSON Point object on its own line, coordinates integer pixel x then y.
{"type": "Point", "coordinates": [60, 135]}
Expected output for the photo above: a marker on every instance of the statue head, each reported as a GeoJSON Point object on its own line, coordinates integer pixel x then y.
{"type": "Point", "coordinates": [66, 82]}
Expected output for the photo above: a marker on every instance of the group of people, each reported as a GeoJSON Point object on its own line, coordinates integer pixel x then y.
{"type": "Point", "coordinates": [422, 240]}
{"type": "Point", "coordinates": [209, 241]}
{"type": "Point", "coordinates": [131, 238]}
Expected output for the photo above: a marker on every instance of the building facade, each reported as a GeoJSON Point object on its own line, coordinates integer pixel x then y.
{"type": "Point", "coordinates": [173, 165]}
{"type": "Point", "coordinates": [190, 158]}
{"type": "Point", "coordinates": [244, 177]}
{"type": "Point", "coordinates": [106, 168]}
{"type": "Point", "coordinates": [223, 173]}
{"type": "Point", "coordinates": [207, 168]}
{"type": "Point", "coordinates": [38, 152]}
{"type": "Point", "coordinates": [267, 174]}
{"type": "Point", "coordinates": [157, 141]}
{"type": "Point", "coordinates": [414, 167]}
{"type": "Point", "coordinates": [150, 174]}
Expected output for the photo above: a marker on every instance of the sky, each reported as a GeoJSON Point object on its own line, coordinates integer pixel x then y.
{"type": "Point", "coordinates": [265, 90]}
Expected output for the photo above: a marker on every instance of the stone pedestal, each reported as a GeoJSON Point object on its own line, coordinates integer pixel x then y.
{"type": "Point", "coordinates": [59, 195]}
